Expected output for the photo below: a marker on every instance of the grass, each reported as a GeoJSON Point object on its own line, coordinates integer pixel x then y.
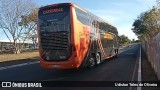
{"type": "Point", "coordinates": [24, 55]}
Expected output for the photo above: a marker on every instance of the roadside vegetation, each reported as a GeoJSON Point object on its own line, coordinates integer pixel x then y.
{"type": "Point", "coordinates": [25, 55]}
{"type": "Point", "coordinates": [147, 28]}
{"type": "Point", "coordinates": [18, 21]}
{"type": "Point", "coordinates": [124, 40]}
{"type": "Point", "coordinates": [147, 24]}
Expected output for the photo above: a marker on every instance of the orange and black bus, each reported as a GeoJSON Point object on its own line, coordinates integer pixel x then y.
{"type": "Point", "coordinates": [71, 37]}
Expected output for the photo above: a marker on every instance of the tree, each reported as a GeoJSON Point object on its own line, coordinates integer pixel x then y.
{"type": "Point", "coordinates": [133, 41]}
{"type": "Point", "coordinates": [11, 15]}
{"type": "Point", "coordinates": [124, 39]}
{"type": "Point", "coordinates": [30, 24]}
{"type": "Point", "coordinates": [158, 3]}
{"type": "Point", "coordinates": [139, 28]}
{"type": "Point", "coordinates": [147, 25]}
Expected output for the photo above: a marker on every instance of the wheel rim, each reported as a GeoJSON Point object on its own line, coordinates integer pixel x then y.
{"type": "Point", "coordinates": [98, 58]}
{"type": "Point", "coordinates": [92, 61]}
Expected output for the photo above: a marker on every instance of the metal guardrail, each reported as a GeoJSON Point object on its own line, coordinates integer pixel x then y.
{"type": "Point", "coordinates": [152, 50]}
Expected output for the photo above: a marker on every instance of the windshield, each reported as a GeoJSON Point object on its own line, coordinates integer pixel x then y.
{"type": "Point", "coordinates": [54, 19]}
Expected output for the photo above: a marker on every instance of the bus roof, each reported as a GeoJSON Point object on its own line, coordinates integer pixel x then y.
{"type": "Point", "coordinates": [75, 5]}
{"type": "Point", "coordinates": [56, 5]}
{"type": "Point", "coordinates": [91, 13]}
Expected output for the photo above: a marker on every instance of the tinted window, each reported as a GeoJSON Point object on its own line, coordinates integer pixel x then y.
{"type": "Point", "coordinates": [54, 19]}
{"type": "Point", "coordinates": [82, 16]}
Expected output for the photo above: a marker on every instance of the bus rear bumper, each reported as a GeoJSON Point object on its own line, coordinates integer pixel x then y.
{"type": "Point", "coordinates": [69, 64]}
{"type": "Point", "coordinates": [57, 65]}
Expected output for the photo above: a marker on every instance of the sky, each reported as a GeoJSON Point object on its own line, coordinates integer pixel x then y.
{"type": "Point", "coordinates": [119, 13]}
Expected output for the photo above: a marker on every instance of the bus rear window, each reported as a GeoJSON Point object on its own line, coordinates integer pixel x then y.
{"type": "Point", "coordinates": [54, 18]}
{"type": "Point", "coordinates": [56, 10]}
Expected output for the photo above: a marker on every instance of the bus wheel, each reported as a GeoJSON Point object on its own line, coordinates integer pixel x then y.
{"type": "Point", "coordinates": [115, 52]}
{"type": "Point", "coordinates": [92, 61]}
{"type": "Point", "coordinates": [98, 58]}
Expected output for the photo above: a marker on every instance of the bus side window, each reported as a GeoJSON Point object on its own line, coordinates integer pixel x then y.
{"type": "Point", "coordinates": [82, 16]}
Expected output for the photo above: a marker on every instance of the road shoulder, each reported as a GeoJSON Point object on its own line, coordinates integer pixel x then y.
{"type": "Point", "coordinates": [148, 73]}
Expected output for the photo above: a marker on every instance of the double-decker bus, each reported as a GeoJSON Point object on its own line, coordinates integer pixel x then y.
{"type": "Point", "coordinates": [71, 37]}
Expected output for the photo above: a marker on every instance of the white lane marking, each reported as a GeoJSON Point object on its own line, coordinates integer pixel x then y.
{"type": "Point", "coordinates": [29, 63]}
{"type": "Point", "coordinates": [134, 72]}
{"type": "Point", "coordinates": [18, 65]}
{"type": "Point", "coordinates": [139, 71]}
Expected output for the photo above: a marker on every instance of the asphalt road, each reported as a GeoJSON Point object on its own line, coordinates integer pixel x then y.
{"type": "Point", "coordinates": [122, 68]}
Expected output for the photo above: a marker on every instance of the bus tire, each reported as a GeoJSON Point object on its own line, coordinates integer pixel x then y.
{"type": "Point", "coordinates": [92, 62]}
{"type": "Point", "coordinates": [98, 58]}
{"type": "Point", "coordinates": [115, 52]}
